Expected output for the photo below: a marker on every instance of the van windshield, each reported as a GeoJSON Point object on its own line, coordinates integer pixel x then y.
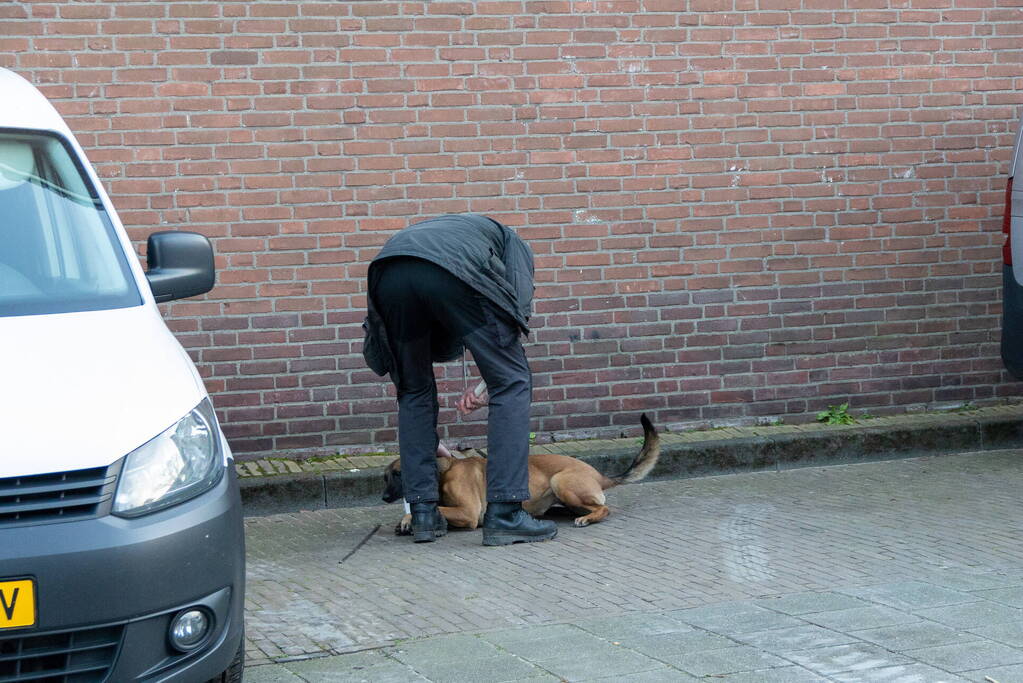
{"type": "Point", "coordinates": [58, 249]}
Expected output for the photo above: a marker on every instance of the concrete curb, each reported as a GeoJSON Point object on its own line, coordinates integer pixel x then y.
{"type": "Point", "coordinates": [273, 486]}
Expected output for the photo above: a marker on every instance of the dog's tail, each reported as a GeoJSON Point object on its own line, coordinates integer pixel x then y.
{"type": "Point", "coordinates": [647, 457]}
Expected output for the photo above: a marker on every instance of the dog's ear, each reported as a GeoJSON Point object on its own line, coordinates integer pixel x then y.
{"type": "Point", "coordinates": [444, 463]}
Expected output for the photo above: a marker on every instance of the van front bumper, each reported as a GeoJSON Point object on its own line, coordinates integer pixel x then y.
{"type": "Point", "coordinates": [109, 587]}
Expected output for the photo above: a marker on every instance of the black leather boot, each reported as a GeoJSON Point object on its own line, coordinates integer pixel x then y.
{"type": "Point", "coordinates": [507, 523]}
{"type": "Point", "coordinates": [427, 522]}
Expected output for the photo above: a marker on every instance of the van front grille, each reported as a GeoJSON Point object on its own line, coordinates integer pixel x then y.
{"type": "Point", "coordinates": [68, 657]}
{"type": "Point", "coordinates": [57, 497]}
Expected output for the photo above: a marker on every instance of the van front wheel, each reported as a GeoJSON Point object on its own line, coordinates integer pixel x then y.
{"type": "Point", "coordinates": [233, 673]}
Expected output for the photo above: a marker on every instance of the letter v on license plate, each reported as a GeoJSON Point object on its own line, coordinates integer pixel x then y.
{"type": "Point", "coordinates": [17, 603]}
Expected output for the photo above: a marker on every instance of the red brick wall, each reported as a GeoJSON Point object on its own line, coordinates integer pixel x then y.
{"type": "Point", "coordinates": [741, 209]}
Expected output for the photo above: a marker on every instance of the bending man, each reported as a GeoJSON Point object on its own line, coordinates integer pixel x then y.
{"type": "Point", "coordinates": [438, 286]}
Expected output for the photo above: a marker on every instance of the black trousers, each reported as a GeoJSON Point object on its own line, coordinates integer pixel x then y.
{"type": "Point", "coordinates": [423, 307]}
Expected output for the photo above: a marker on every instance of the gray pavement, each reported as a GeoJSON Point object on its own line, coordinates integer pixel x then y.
{"type": "Point", "coordinates": [906, 570]}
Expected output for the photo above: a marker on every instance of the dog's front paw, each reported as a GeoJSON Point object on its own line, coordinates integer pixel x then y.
{"type": "Point", "coordinates": [404, 527]}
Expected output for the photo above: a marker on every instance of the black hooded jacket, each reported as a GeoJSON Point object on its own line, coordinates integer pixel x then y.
{"type": "Point", "coordinates": [479, 251]}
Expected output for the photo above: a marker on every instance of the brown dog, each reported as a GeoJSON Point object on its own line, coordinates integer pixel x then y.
{"type": "Point", "coordinates": [552, 479]}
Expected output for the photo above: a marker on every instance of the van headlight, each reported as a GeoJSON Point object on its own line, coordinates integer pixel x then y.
{"type": "Point", "coordinates": [182, 462]}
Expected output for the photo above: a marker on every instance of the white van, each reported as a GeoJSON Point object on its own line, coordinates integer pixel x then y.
{"type": "Point", "coordinates": [121, 544]}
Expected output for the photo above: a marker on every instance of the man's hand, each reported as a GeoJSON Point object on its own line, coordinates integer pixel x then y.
{"type": "Point", "coordinates": [473, 399]}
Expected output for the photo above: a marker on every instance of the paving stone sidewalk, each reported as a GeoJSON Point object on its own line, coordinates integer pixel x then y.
{"type": "Point", "coordinates": [907, 570]}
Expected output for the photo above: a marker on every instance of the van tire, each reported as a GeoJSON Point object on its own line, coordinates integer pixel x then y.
{"type": "Point", "coordinates": [233, 673]}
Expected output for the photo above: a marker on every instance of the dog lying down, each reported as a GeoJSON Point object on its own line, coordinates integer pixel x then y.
{"type": "Point", "coordinates": [553, 479]}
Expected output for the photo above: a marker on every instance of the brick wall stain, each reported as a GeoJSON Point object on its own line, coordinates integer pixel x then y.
{"type": "Point", "coordinates": [740, 209]}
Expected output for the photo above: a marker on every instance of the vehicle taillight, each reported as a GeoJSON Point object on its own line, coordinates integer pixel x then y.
{"type": "Point", "coordinates": [1007, 225]}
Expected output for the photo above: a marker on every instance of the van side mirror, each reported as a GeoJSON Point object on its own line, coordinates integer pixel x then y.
{"type": "Point", "coordinates": [180, 265]}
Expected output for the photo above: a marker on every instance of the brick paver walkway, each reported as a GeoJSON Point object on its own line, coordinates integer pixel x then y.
{"type": "Point", "coordinates": [903, 570]}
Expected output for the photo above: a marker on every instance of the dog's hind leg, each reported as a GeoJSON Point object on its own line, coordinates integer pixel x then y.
{"type": "Point", "coordinates": [594, 514]}
{"type": "Point", "coordinates": [581, 495]}
{"type": "Point", "coordinates": [465, 517]}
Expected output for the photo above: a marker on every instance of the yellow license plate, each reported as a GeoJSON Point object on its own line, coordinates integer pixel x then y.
{"type": "Point", "coordinates": [17, 603]}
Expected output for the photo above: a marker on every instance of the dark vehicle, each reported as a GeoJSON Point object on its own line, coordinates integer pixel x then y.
{"type": "Point", "coordinates": [1012, 268]}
